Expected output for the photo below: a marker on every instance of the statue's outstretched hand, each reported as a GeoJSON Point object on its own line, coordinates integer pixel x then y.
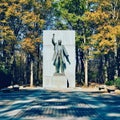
{"type": "Point", "coordinates": [68, 59]}
{"type": "Point", "coordinates": [53, 34]}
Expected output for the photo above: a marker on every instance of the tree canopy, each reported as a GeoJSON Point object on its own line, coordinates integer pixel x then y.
{"type": "Point", "coordinates": [97, 27]}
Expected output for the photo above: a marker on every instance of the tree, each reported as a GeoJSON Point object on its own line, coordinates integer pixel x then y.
{"type": "Point", "coordinates": [105, 17]}
{"type": "Point", "coordinates": [19, 19]}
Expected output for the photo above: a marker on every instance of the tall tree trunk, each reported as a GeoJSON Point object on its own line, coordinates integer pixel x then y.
{"type": "Point", "coordinates": [24, 68]}
{"type": "Point", "coordinates": [38, 63]}
{"type": "Point", "coordinates": [115, 51]}
{"type": "Point", "coordinates": [86, 72]}
{"type": "Point", "coordinates": [31, 74]}
{"type": "Point", "coordinates": [86, 64]}
{"type": "Point", "coordinates": [105, 68]}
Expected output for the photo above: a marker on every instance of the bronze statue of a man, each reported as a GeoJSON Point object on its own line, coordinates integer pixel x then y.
{"type": "Point", "coordinates": [59, 56]}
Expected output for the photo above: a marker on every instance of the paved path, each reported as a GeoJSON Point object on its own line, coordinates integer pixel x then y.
{"type": "Point", "coordinates": [70, 104]}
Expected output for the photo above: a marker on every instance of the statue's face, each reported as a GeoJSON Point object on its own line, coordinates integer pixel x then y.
{"type": "Point", "coordinates": [59, 42]}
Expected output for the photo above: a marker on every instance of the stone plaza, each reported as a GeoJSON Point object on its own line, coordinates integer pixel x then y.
{"type": "Point", "coordinates": [65, 104]}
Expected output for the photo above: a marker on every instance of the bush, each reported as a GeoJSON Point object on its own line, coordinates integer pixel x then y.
{"type": "Point", "coordinates": [117, 83]}
{"type": "Point", "coordinates": [109, 83]}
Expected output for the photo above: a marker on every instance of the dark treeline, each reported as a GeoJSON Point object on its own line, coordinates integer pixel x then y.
{"type": "Point", "coordinates": [97, 26]}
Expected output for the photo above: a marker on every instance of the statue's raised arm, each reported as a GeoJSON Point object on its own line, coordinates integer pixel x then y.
{"type": "Point", "coordinates": [53, 40]}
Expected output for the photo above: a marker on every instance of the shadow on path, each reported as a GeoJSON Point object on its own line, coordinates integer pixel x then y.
{"type": "Point", "coordinates": [46, 104]}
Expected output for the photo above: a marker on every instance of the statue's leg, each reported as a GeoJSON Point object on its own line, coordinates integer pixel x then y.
{"type": "Point", "coordinates": [58, 66]}
{"type": "Point", "coordinates": [62, 66]}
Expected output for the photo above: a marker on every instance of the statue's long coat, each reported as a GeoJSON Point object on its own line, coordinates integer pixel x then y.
{"type": "Point", "coordinates": [63, 55]}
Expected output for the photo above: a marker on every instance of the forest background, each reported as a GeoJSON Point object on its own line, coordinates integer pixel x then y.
{"type": "Point", "coordinates": [97, 27]}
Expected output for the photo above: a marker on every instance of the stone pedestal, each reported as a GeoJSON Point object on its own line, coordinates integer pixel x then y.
{"type": "Point", "coordinates": [58, 81]}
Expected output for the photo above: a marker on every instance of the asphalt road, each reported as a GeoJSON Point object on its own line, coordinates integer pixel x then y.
{"type": "Point", "coordinates": [72, 104]}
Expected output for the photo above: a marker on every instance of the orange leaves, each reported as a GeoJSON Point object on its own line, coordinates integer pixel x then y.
{"type": "Point", "coordinates": [97, 16]}
{"type": "Point", "coordinates": [28, 11]}
{"type": "Point", "coordinates": [29, 17]}
{"type": "Point", "coordinates": [106, 43]}
{"type": "Point", "coordinates": [3, 4]}
{"type": "Point", "coordinates": [38, 40]}
{"type": "Point", "coordinates": [86, 47]}
{"type": "Point", "coordinates": [105, 3]}
{"type": "Point", "coordinates": [28, 45]}
{"type": "Point", "coordinates": [7, 34]}
{"type": "Point", "coordinates": [117, 30]}
{"type": "Point", "coordinates": [13, 9]}
{"type": "Point", "coordinates": [105, 39]}
{"type": "Point", "coordinates": [107, 28]}
{"type": "Point", "coordinates": [101, 11]}
{"type": "Point", "coordinates": [8, 37]}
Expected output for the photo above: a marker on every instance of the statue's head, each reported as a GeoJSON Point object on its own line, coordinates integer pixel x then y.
{"type": "Point", "coordinates": [59, 42]}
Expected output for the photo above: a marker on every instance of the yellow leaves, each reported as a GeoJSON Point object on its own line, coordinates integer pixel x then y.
{"type": "Point", "coordinates": [98, 52]}
{"type": "Point", "coordinates": [1, 10]}
{"type": "Point", "coordinates": [7, 34]}
{"type": "Point", "coordinates": [30, 18]}
{"type": "Point", "coordinates": [86, 47]}
{"type": "Point", "coordinates": [97, 16]}
{"type": "Point", "coordinates": [41, 22]}
{"type": "Point", "coordinates": [38, 40]}
{"type": "Point", "coordinates": [101, 2]}
{"type": "Point", "coordinates": [10, 11]}
{"type": "Point", "coordinates": [105, 39]}
{"type": "Point", "coordinates": [106, 43]}
{"type": "Point", "coordinates": [101, 13]}
{"type": "Point", "coordinates": [117, 30]}
{"type": "Point", "coordinates": [14, 9]}
{"type": "Point", "coordinates": [3, 4]}
{"type": "Point", "coordinates": [27, 11]}
{"type": "Point", "coordinates": [28, 45]}
{"type": "Point", "coordinates": [48, 3]}
{"type": "Point", "coordinates": [105, 3]}
{"type": "Point", "coordinates": [110, 30]}
{"type": "Point", "coordinates": [92, 0]}
{"type": "Point", "coordinates": [107, 28]}
{"type": "Point", "coordinates": [23, 1]}
{"type": "Point", "coordinates": [4, 21]}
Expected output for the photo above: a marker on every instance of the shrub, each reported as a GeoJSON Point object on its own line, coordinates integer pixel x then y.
{"type": "Point", "coordinates": [117, 83]}
{"type": "Point", "coordinates": [109, 83]}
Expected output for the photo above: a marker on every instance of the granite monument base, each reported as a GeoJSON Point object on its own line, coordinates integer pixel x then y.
{"type": "Point", "coordinates": [59, 81]}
